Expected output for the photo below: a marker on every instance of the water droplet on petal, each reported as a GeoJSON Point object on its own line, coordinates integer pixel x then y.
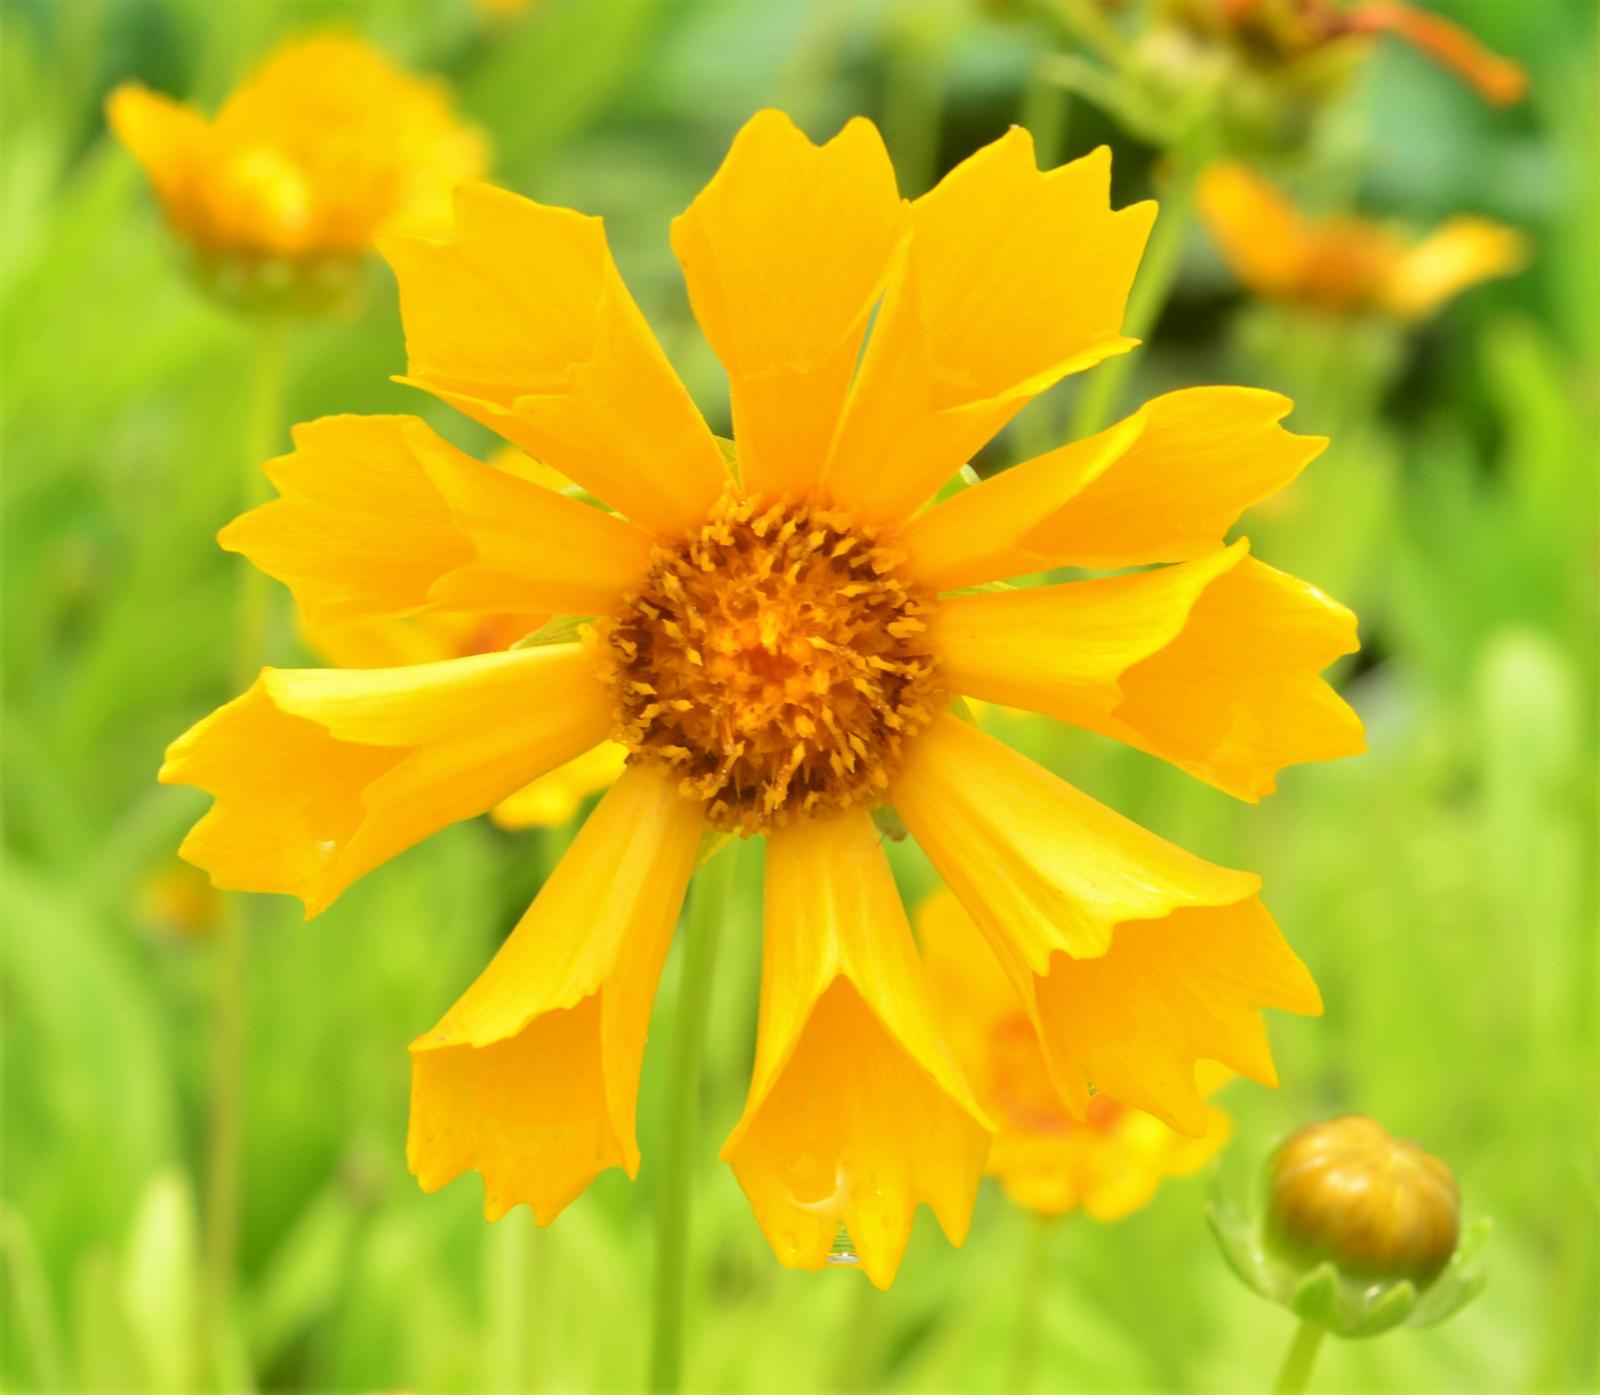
{"type": "Point", "coordinates": [844, 1249]}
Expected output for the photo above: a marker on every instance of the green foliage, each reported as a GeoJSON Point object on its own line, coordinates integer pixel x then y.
{"type": "Point", "coordinates": [1441, 887]}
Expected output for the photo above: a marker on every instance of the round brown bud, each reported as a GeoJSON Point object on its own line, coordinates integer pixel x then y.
{"type": "Point", "coordinates": [1377, 1206]}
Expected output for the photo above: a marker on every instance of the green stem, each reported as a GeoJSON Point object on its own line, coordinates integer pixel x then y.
{"type": "Point", "coordinates": [673, 1190]}
{"type": "Point", "coordinates": [510, 1262]}
{"type": "Point", "coordinates": [913, 99]}
{"type": "Point", "coordinates": [1030, 1306]}
{"type": "Point", "coordinates": [1302, 1356]}
{"type": "Point", "coordinates": [1158, 273]}
{"type": "Point", "coordinates": [231, 942]}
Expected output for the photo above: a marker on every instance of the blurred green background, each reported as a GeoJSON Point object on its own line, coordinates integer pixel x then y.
{"type": "Point", "coordinates": [1441, 887]}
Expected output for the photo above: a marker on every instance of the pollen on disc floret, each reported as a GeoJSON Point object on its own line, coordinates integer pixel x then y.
{"type": "Point", "coordinates": [775, 660]}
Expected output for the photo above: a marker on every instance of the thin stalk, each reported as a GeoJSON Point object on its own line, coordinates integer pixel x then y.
{"type": "Point", "coordinates": [674, 1193]}
{"type": "Point", "coordinates": [1302, 1356]}
{"type": "Point", "coordinates": [510, 1265]}
{"type": "Point", "coordinates": [1030, 1306]}
{"type": "Point", "coordinates": [1157, 275]}
{"type": "Point", "coordinates": [230, 943]}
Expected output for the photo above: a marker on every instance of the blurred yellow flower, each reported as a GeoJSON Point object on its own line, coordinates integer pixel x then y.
{"type": "Point", "coordinates": [1347, 265]}
{"type": "Point", "coordinates": [778, 655]}
{"type": "Point", "coordinates": [1110, 1161]}
{"type": "Point", "coordinates": [323, 148]}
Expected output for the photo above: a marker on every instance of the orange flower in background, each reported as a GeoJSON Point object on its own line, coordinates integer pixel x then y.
{"type": "Point", "coordinates": [778, 646]}
{"type": "Point", "coordinates": [323, 148]}
{"type": "Point", "coordinates": [1347, 264]}
{"type": "Point", "coordinates": [1110, 1161]}
{"type": "Point", "coordinates": [1281, 31]}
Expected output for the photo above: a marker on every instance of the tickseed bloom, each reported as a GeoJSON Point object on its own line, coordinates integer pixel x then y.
{"type": "Point", "coordinates": [778, 644]}
{"type": "Point", "coordinates": [325, 147]}
{"type": "Point", "coordinates": [1347, 265]}
{"type": "Point", "coordinates": [1110, 1161]}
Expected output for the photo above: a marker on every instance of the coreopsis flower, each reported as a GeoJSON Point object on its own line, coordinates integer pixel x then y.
{"type": "Point", "coordinates": [1361, 1231]}
{"type": "Point", "coordinates": [778, 643]}
{"type": "Point", "coordinates": [325, 147]}
{"type": "Point", "coordinates": [1281, 33]}
{"type": "Point", "coordinates": [1347, 265]}
{"type": "Point", "coordinates": [1109, 1161]}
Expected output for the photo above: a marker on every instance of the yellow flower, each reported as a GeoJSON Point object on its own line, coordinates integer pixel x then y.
{"type": "Point", "coordinates": [778, 651]}
{"type": "Point", "coordinates": [1110, 1161]}
{"type": "Point", "coordinates": [322, 149]}
{"type": "Point", "coordinates": [1346, 264]}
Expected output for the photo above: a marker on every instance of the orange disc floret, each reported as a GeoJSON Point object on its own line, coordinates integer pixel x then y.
{"type": "Point", "coordinates": [775, 660]}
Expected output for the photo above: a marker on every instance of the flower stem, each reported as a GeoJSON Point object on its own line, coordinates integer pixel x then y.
{"type": "Point", "coordinates": [1030, 1306]}
{"type": "Point", "coordinates": [231, 940]}
{"type": "Point", "coordinates": [1302, 1356]}
{"type": "Point", "coordinates": [1157, 275]}
{"type": "Point", "coordinates": [674, 1193]}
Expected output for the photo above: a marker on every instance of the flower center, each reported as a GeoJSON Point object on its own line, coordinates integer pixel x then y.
{"type": "Point", "coordinates": [775, 660]}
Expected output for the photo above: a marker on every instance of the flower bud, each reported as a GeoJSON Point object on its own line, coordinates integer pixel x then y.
{"type": "Point", "coordinates": [1377, 1206]}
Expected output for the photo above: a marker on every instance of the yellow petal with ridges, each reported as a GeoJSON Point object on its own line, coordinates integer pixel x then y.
{"type": "Point", "coordinates": [1211, 664]}
{"type": "Point", "coordinates": [1236, 696]}
{"type": "Point", "coordinates": [1062, 650]}
{"type": "Point", "coordinates": [1041, 866]}
{"type": "Point", "coordinates": [522, 322]}
{"type": "Point", "coordinates": [1169, 994]}
{"type": "Point", "coordinates": [856, 1111]}
{"type": "Point", "coordinates": [785, 252]}
{"type": "Point", "coordinates": [532, 1077]}
{"type": "Point", "coordinates": [320, 775]}
{"type": "Point", "coordinates": [380, 517]}
{"type": "Point", "coordinates": [1011, 280]}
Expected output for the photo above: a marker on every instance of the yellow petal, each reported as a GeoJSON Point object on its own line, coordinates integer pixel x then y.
{"type": "Point", "coordinates": [1210, 664]}
{"type": "Point", "coordinates": [785, 252]}
{"type": "Point", "coordinates": [1077, 901]}
{"type": "Point", "coordinates": [1111, 1162]}
{"type": "Point", "coordinates": [1261, 234]}
{"type": "Point", "coordinates": [1168, 994]}
{"type": "Point", "coordinates": [320, 775]}
{"type": "Point", "coordinates": [553, 799]}
{"type": "Point", "coordinates": [523, 322]}
{"type": "Point", "coordinates": [167, 138]}
{"type": "Point", "coordinates": [856, 1112]}
{"type": "Point", "coordinates": [1235, 697]}
{"type": "Point", "coordinates": [1062, 649]}
{"type": "Point", "coordinates": [417, 639]}
{"type": "Point", "coordinates": [378, 517]}
{"type": "Point", "coordinates": [1460, 253]}
{"type": "Point", "coordinates": [1039, 865]}
{"type": "Point", "coordinates": [1202, 457]}
{"type": "Point", "coordinates": [1012, 279]}
{"type": "Point", "coordinates": [532, 1077]}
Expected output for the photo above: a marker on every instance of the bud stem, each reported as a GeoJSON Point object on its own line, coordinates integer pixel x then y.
{"type": "Point", "coordinates": [1296, 1372]}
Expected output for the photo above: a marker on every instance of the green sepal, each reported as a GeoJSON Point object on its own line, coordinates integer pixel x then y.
{"type": "Point", "coordinates": [564, 629]}
{"type": "Point", "coordinates": [1346, 1306]}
